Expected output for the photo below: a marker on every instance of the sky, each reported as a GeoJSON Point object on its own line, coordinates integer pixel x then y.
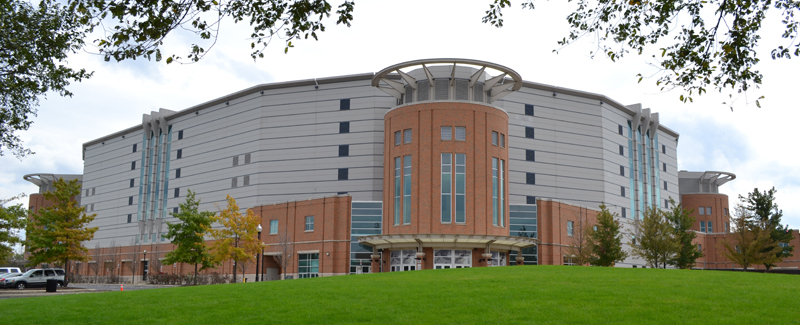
{"type": "Point", "coordinates": [753, 143]}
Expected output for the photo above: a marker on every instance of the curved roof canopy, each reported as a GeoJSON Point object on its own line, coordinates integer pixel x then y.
{"type": "Point", "coordinates": [447, 241]}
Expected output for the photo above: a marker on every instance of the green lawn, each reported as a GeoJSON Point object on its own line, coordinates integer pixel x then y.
{"type": "Point", "coordinates": [507, 295]}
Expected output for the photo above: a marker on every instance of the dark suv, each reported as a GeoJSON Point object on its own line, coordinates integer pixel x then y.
{"type": "Point", "coordinates": [35, 278]}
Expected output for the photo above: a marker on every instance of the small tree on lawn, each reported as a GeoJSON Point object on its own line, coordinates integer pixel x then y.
{"type": "Point", "coordinates": [764, 213]}
{"type": "Point", "coordinates": [654, 240]}
{"type": "Point", "coordinates": [750, 244]}
{"type": "Point", "coordinates": [13, 220]}
{"type": "Point", "coordinates": [238, 239]}
{"type": "Point", "coordinates": [682, 222]}
{"type": "Point", "coordinates": [97, 256]}
{"type": "Point", "coordinates": [189, 236]}
{"type": "Point", "coordinates": [56, 233]}
{"type": "Point", "coordinates": [579, 248]}
{"type": "Point", "coordinates": [606, 240]}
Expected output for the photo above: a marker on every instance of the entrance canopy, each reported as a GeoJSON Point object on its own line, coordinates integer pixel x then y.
{"type": "Point", "coordinates": [447, 241]}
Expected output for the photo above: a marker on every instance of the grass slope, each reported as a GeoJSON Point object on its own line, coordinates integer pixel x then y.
{"type": "Point", "coordinates": [531, 294]}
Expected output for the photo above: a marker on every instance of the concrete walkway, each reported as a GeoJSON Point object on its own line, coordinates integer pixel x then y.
{"type": "Point", "coordinates": [75, 288]}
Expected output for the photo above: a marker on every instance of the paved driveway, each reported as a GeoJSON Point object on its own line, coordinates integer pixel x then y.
{"type": "Point", "coordinates": [75, 288]}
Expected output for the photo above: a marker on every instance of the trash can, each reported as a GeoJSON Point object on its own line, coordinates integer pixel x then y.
{"type": "Point", "coordinates": [52, 285]}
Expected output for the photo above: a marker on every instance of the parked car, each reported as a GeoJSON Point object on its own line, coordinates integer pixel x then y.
{"type": "Point", "coordinates": [35, 278]}
{"type": "Point", "coordinates": [6, 269]}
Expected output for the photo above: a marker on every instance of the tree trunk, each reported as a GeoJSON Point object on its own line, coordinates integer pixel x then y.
{"type": "Point", "coordinates": [195, 273]}
{"type": "Point", "coordinates": [234, 271]}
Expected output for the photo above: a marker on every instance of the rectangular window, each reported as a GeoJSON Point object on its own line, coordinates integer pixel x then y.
{"type": "Point", "coordinates": [447, 174]}
{"type": "Point", "coordinates": [701, 211]}
{"type": "Point", "coordinates": [621, 150]}
{"type": "Point", "coordinates": [619, 129]}
{"type": "Point", "coordinates": [344, 150]}
{"type": "Point", "coordinates": [344, 127]}
{"type": "Point", "coordinates": [710, 227]}
{"type": "Point", "coordinates": [530, 155]}
{"type": "Point", "coordinates": [708, 210]}
{"type": "Point", "coordinates": [234, 182]}
{"type": "Point", "coordinates": [174, 211]}
{"type": "Point", "coordinates": [407, 189]}
{"type": "Point", "coordinates": [700, 247]}
{"type": "Point", "coordinates": [397, 189]}
{"type": "Point", "coordinates": [130, 200]}
{"type": "Point", "coordinates": [93, 188]}
{"type": "Point", "coordinates": [177, 173]}
{"type": "Point", "coordinates": [622, 191]}
{"type": "Point", "coordinates": [273, 227]}
{"type": "Point", "coordinates": [666, 204]}
{"type": "Point", "coordinates": [344, 104]}
{"type": "Point", "coordinates": [702, 226]}
{"type": "Point", "coordinates": [530, 178]}
{"type": "Point", "coordinates": [129, 218]}
{"type": "Point", "coordinates": [663, 149]}
{"type": "Point", "coordinates": [665, 185]}
{"type": "Point", "coordinates": [624, 213]}
{"type": "Point", "coordinates": [570, 228]}
{"type": "Point", "coordinates": [529, 133]}
{"type": "Point", "coordinates": [246, 180]}
{"type": "Point", "coordinates": [133, 165]}
{"type": "Point", "coordinates": [308, 265]}
{"type": "Point", "coordinates": [235, 161]}
{"type": "Point", "coordinates": [310, 223]}
{"type": "Point", "coordinates": [246, 158]}
{"type": "Point", "coordinates": [622, 170]}
{"type": "Point", "coordinates": [502, 193]}
{"type": "Point", "coordinates": [447, 133]}
{"type": "Point", "coordinates": [495, 137]}
{"type": "Point", "coordinates": [177, 192]}
{"type": "Point", "coordinates": [179, 154]}
{"type": "Point", "coordinates": [461, 133]}
{"type": "Point", "coordinates": [530, 200]}
{"type": "Point", "coordinates": [87, 192]}
{"type": "Point", "coordinates": [727, 227]}
{"type": "Point", "coordinates": [92, 207]}
{"type": "Point", "coordinates": [461, 188]}
{"type": "Point", "coordinates": [529, 109]}
{"type": "Point", "coordinates": [726, 212]}
{"type": "Point", "coordinates": [407, 136]}
{"type": "Point", "coordinates": [495, 190]}
{"type": "Point", "coordinates": [502, 140]}
{"type": "Point", "coordinates": [398, 138]}
{"type": "Point", "coordinates": [134, 147]}
{"type": "Point", "coordinates": [180, 135]}
{"type": "Point", "coordinates": [131, 182]}
{"type": "Point", "coordinates": [664, 166]}
{"type": "Point", "coordinates": [343, 174]}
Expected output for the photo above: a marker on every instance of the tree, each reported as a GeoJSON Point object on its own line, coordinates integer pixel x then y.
{"type": "Point", "coordinates": [579, 248]}
{"type": "Point", "coordinates": [606, 240]}
{"type": "Point", "coordinates": [238, 239]}
{"type": "Point", "coordinates": [763, 213]}
{"type": "Point", "coordinates": [285, 249]}
{"type": "Point", "coordinates": [55, 234]}
{"type": "Point", "coordinates": [682, 222]}
{"type": "Point", "coordinates": [706, 51]}
{"type": "Point", "coordinates": [654, 239]}
{"type": "Point", "coordinates": [12, 220]}
{"type": "Point", "coordinates": [189, 235]}
{"type": "Point", "coordinates": [97, 256]}
{"type": "Point", "coordinates": [33, 52]}
{"type": "Point", "coordinates": [750, 243]}
{"type": "Point", "coordinates": [133, 255]}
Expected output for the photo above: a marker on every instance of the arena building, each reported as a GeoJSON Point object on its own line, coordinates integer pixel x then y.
{"type": "Point", "coordinates": [427, 164]}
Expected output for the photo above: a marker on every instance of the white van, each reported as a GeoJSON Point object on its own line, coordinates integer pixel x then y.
{"type": "Point", "coordinates": [4, 270]}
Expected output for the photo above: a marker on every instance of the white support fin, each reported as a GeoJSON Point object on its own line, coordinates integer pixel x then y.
{"type": "Point", "coordinates": [391, 91]}
{"type": "Point", "coordinates": [409, 79]}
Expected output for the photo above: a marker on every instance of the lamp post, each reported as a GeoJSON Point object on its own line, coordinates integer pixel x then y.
{"type": "Point", "coordinates": [144, 267]}
{"type": "Point", "coordinates": [257, 257]}
{"type": "Point", "coordinates": [262, 260]}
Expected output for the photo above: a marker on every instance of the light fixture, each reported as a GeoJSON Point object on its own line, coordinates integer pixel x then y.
{"type": "Point", "coordinates": [328, 253]}
{"type": "Point", "coordinates": [262, 92]}
{"type": "Point", "coordinates": [259, 228]}
{"type": "Point", "coordinates": [228, 103]}
{"type": "Point", "coordinates": [554, 94]}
